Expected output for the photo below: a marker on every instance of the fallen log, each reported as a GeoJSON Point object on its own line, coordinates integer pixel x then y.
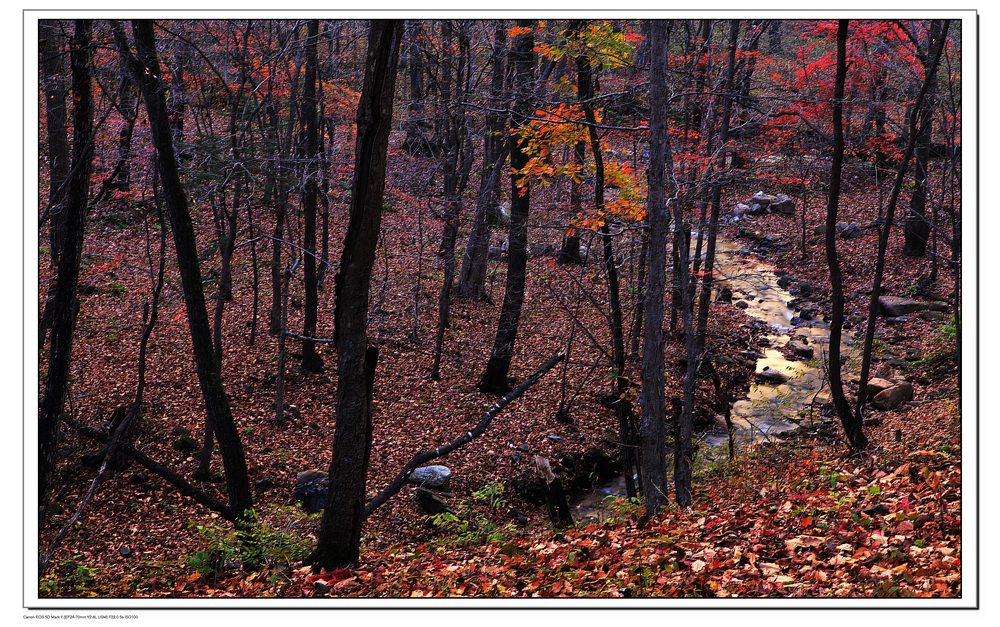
{"type": "Point", "coordinates": [425, 456]}
{"type": "Point", "coordinates": [156, 468]}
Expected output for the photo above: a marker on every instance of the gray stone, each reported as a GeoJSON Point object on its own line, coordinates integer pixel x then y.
{"type": "Point", "coordinates": [769, 375]}
{"type": "Point", "coordinates": [895, 306]}
{"type": "Point", "coordinates": [783, 205]}
{"type": "Point", "coordinates": [801, 349]}
{"type": "Point", "coordinates": [311, 488]}
{"type": "Point", "coordinates": [760, 198]}
{"type": "Point", "coordinates": [431, 503]}
{"type": "Point", "coordinates": [936, 316]}
{"type": "Point", "coordinates": [849, 231]}
{"type": "Point", "coordinates": [436, 477]}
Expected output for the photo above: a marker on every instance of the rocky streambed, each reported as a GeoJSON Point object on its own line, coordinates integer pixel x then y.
{"type": "Point", "coordinates": [788, 352]}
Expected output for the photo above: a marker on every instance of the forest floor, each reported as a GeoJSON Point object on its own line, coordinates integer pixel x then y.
{"type": "Point", "coordinates": [796, 518]}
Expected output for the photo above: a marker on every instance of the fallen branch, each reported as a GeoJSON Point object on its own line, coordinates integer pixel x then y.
{"type": "Point", "coordinates": [425, 456]}
{"type": "Point", "coordinates": [168, 475]}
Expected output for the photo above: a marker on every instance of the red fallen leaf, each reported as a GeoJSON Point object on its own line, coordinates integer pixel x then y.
{"type": "Point", "coordinates": [904, 527]}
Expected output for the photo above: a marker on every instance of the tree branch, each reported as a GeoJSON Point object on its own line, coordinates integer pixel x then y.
{"type": "Point", "coordinates": [425, 456]}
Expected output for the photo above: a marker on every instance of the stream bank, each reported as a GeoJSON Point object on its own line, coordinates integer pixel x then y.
{"type": "Point", "coordinates": [787, 352]}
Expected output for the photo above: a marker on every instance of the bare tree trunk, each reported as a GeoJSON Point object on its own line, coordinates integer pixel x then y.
{"type": "Point", "coordinates": [311, 360]}
{"type": "Point", "coordinates": [570, 251]}
{"type": "Point", "coordinates": [713, 227]}
{"type": "Point", "coordinates": [852, 426]}
{"type": "Point", "coordinates": [917, 227]}
{"type": "Point", "coordinates": [54, 85]}
{"type": "Point", "coordinates": [917, 124]}
{"type": "Point", "coordinates": [64, 295]}
{"type": "Point", "coordinates": [147, 72]}
{"type": "Point", "coordinates": [472, 280]}
{"type": "Point", "coordinates": [585, 92]}
{"type": "Point", "coordinates": [494, 379]}
{"type": "Point", "coordinates": [340, 532]}
{"type": "Point", "coordinates": [652, 426]}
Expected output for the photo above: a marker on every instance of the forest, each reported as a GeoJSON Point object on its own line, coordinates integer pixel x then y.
{"type": "Point", "coordinates": [497, 308]}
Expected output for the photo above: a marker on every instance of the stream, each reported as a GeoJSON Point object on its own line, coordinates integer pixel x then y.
{"type": "Point", "coordinates": [780, 399]}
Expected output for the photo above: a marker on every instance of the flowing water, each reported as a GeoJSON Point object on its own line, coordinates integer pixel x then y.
{"type": "Point", "coordinates": [770, 408]}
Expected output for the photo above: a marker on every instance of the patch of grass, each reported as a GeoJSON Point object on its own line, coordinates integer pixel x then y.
{"type": "Point", "coordinates": [117, 288]}
{"type": "Point", "coordinates": [225, 550]}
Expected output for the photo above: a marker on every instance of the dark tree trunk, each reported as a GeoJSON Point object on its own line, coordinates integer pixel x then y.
{"type": "Point", "coordinates": [556, 500]}
{"type": "Point", "coordinates": [454, 156]}
{"type": "Point", "coordinates": [418, 129]}
{"type": "Point", "coordinates": [774, 44]}
{"type": "Point", "coordinates": [64, 296]}
{"type": "Point", "coordinates": [54, 85]}
{"type": "Point", "coordinates": [635, 333]}
{"type": "Point", "coordinates": [177, 100]}
{"type": "Point", "coordinates": [494, 379]}
{"type": "Point", "coordinates": [218, 412]}
{"type": "Point", "coordinates": [916, 123]}
{"type": "Point", "coordinates": [279, 197]}
{"type": "Point", "coordinates": [570, 250]}
{"type": "Point", "coordinates": [852, 426]}
{"type": "Point", "coordinates": [917, 227]}
{"type": "Point", "coordinates": [311, 360]}
{"type": "Point", "coordinates": [340, 532]}
{"type": "Point", "coordinates": [652, 425]}
{"type": "Point", "coordinates": [585, 91]}
{"type": "Point", "coordinates": [126, 108]}
{"type": "Point", "coordinates": [472, 280]}
{"type": "Point", "coordinates": [713, 228]}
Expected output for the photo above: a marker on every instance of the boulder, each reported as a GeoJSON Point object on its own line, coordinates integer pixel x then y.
{"type": "Point", "coordinates": [186, 444]}
{"type": "Point", "coordinates": [895, 306]}
{"type": "Point", "coordinates": [935, 316]}
{"type": "Point", "coordinates": [741, 210]}
{"type": "Point", "coordinates": [769, 375]}
{"type": "Point", "coordinates": [762, 199]}
{"type": "Point", "coordinates": [434, 477]}
{"type": "Point", "coordinates": [849, 231]}
{"type": "Point", "coordinates": [783, 205]}
{"type": "Point", "coordinates": [892, 398]}
{"type": "Point", "coordinates": [800, 349]}
{"type": "Point", "coordinates": [876, 385]}
{"type": "Point", "coordinates": [741, 304]}
{"type": "Point", "coordinates": [726, 295]}
{"type": "Point", "coordinates": [311, 488]}
{"type": "Point", "coordinates": [430, 503]}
